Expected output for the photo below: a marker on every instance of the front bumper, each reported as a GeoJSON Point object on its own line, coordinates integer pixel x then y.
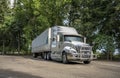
{"type": "Point", "coordinates": [79, 57]}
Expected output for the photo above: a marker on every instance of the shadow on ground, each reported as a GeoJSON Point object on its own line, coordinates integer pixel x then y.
{"type": "Point", "coordinates": [5, 73]}
{"type": "Point", "coordinates": [53, 61]}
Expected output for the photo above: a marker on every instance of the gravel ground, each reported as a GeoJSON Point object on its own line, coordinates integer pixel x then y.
{"type": "Point", "coordinates": [28, 67]}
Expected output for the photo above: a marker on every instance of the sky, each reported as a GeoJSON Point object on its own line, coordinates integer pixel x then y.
{"type": "Point", "coordinates": [11, 3]}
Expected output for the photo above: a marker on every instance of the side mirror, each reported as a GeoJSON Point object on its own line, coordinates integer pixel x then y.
{"type": "Point", "coordinates": [84, 39]}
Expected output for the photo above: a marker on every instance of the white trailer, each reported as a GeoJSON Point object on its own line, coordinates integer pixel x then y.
{"type": "Point", "coordinates": [62, 44]}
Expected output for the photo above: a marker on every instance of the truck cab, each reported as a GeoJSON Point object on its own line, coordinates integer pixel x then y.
{"type": "Point", "coordinates": [67, 45]}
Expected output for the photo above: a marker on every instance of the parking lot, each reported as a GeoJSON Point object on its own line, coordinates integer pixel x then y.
{"type": "Point", "coordinates": [29, 67]}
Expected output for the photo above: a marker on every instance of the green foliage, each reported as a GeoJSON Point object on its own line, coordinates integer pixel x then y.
{"type": "Point", "coordinates": [26, 20]}
{"type": "Point", "coordinates": [116, 57]}
{"type": "Point", "coordinates": [104, 42]}
{"type": "Point", "coordinates": [99, 21]}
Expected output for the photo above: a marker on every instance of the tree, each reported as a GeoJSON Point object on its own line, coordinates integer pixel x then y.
{"type": "Point", "coordinates": [106, 43]}
{"type": "Point", "coordinates": [97, 17]}
{"type": "Point", "coordinates": [3, 14]}
{"type": "Point", "coordinates": [31, 17]}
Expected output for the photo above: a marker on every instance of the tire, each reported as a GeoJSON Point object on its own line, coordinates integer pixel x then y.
{"type": "Point", "coordinates": [35, 55]}
{"type": "Point", "coordinates": [86, 62]}
{"type": "Point", "coordinates": [48, 56]}
{"type": "Point", "coordinates": [42, 55]}
{"type": "Point", "coordinates": [45, 56]}
{"type": "Point", "coordinates": [64, 58]}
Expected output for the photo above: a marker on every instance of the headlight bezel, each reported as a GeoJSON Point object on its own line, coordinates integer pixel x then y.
{"type": "Point", "coordinates": [73, 51]}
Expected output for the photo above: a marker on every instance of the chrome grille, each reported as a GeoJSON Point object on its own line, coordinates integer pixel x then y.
{"type": "Point", "coordinates": [83, 48]}
{"type": "Point", "coordinates": [77, 48]}
{"type": "Point", "coordinates": [85, 51]}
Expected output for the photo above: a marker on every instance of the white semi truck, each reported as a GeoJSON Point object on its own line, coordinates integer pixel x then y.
{"type": "Point", "coordinates": [62, 43]}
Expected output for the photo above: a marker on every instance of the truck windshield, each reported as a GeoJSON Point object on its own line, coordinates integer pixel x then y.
{"type": "Point", "coordinates": [73, 38]}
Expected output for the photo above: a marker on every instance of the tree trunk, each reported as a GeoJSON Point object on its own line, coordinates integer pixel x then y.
{"type": "Point", "coordinates": [119, 50]}
{"type": "Point", "coordinates": [108, 55]}
{"type": "Point", "coordinates": [18, 44]}
{"type": "Point", "coordinates": [3, 52]}
{"type": "Point", "coordinates": [111, 55]}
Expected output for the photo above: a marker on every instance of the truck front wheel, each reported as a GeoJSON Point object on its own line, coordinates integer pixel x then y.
{"type": "Point", "coordinates": [64, 58]}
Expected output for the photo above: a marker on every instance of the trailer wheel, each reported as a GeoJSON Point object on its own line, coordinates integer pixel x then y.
{"type": "Point", "coordinates": [42, 55]}
{"type": "Point", "coordinates": [64, 58]}
{"type": "Point", "coordinates": [45, 56]}
{"type": "Point", "coordinates": [48, 56]}
{"type": "Point", "coordinates": [86, 62]}
{"type": "Point", "coordinates": [35, 55]}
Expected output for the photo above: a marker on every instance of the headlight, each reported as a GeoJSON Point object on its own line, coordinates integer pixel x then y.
{"type": "Point", "coordinates": [73, 51]}
{"type": "Point", "coordinates": [70, 50]}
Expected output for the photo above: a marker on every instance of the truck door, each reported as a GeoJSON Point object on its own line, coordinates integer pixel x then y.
{"type": "Point", "coordinates": [58, 51]}
{"type": "Point", "coordinates": [54, 45]}
{"type": "Point", "coordinates": [54, 48]}
{"type": "Point", "coordinates": [59, 45]}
